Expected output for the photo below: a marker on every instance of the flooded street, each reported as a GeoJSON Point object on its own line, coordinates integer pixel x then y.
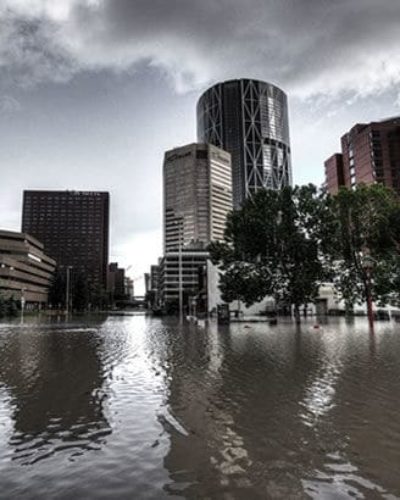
{"type": "Point", "coordinates": [136, 407]}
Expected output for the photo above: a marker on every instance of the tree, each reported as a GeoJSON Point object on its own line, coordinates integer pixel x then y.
{"type": "Point", "coordinates": [277, 244]}
{"type": "Point", "coordinates": [80, 293]}
{"type": "Point", "coordinates": [57, 289]}
{"type": "Point", "coordinates": [11, 307]}
{"type": "Point", "coordinates": [365, 243]}
{"type": "Point", "coordinates": [98, 297]}
{"type": "Point", "coordinates": [8, 307]}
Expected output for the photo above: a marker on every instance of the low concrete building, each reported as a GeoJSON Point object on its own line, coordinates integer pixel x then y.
{"type": "Point", "coordinates": [193, 264]}
{"type": "Point", "coordinates": [25, 270]}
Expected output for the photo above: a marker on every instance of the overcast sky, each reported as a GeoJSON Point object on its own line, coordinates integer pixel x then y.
{"type": "Point", "coordinates": [92, 92]}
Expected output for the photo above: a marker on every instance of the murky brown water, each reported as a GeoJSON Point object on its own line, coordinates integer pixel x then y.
{"type": "Point", "coordinates": [136, 408]}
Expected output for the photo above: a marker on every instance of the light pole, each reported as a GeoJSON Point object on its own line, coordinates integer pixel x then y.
{"type": "Point", "coordinates": [67, 290]}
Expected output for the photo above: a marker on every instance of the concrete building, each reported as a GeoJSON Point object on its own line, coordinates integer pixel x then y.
{"type": "Point", "coordinates": [249, 119]}
{"type": "Point", "coordinates": [197, 195]}
{"type": "Point", "coordinates": [155, 276]}
{"type": "Point", "coordinates": [116, 281]}
{"type": "Point", "coordinates": [193, 275]}
{"type": "Point", "coordinates": [197, 200]}
{"type": "Point", "coordinates": [147, 287]}
{"type": "Point", "coordinates": [74, 227]}
{"type": "Point", "coordinates": [129, 288]}
{"type": "Point", "coordinates": [370, 153]}
{"type": "Point", "coordinates": [25, 269]}
{"type": "Point", "coordinates": [154, 283]}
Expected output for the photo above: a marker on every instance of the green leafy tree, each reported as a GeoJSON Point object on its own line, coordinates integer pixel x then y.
{"type": "Point", "coordinates": [277, 244]}
{"type": "Point", "coordinates": [387, 279]}
{"type": "Point", "coordinates": [8, 307]}
{"type": "Point", "coordinates": [98, 297]}
{"type": "Point", "coordinates": [57, 289]}
{"type": "Point", "coordinates": [364, 249]}
{"type": "Point", "coordinates": [80, 293]}
{"type": "Point", "coordinates": [11, 307]}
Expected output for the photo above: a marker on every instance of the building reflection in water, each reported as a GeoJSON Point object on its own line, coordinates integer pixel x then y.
{"type": "Point", "coordinates": [54, 379]}
{"type": "Point", "coordinates": [227, 389]}
{"type": "Point", "coordinates": [258, 412]}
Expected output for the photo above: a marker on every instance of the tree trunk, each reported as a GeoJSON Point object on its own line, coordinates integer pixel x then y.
{"type": "Point", "coordinates": [349, 309]}
{"type": "Point", "coordinates": [297, 316]}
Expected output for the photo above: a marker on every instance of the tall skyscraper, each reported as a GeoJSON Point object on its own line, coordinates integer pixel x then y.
{"type": "Point", "coordinates": [74, 228]}
{"type": "Point", "coordinates": [249, 119]}
{"type": "Point", "coordinates": [370, 153]}
{"type": "Point", "coordinates": [197, 195]}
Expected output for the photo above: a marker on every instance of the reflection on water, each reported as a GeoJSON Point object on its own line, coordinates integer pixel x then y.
{"type": "Point", "coordinates": [54, 382]}
{"type": "Point", "coordinates": [144, 408]}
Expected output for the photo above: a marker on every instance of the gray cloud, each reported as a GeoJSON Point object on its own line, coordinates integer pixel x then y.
{"type": "Point", "coordinates": [308, 46]}
{"type": "Point", "coordinates": [9, 104]}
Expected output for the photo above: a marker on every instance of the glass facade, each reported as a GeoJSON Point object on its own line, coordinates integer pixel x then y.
{"type": "Point", "coordinates": [249, 119]}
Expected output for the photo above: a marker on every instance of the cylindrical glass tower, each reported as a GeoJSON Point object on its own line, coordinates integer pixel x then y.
{"type": "Point", "coordinates": [249, 119]}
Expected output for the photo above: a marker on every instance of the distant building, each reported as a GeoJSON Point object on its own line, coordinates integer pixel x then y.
{"type": "Point", "coordinates": [154, 277]}
{"type": "Point", "coordinates": [249, 119]}
{"type": "Point", "coordinates": [154, 284]}
{"type": "Point", "coordinates": [147, 287]}
{"type": "Point", "coordinates": [370, 153]}
{"type": "Point", "coordinates": [129, 288]}
{"type": "Point", "coordinates": [25, 269]}
{"type": "Point", "coordinates": [193, 275]}
{"type": "Point", "coordinates": [116, 281]}
{"type": "Point", "coordinates": [334, 173]}
{"type": "Point", "coordinates": [197, 200]}
{"type": "Point", "coordinates": [74, 227]}
{"type": "Point", "coordinates": [197, 195]}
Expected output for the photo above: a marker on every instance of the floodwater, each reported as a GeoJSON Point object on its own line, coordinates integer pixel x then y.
{"type": "Point", "coordinates": [140, 408]}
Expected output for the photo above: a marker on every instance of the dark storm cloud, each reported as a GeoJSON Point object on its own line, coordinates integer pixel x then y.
{"type": "Point", "coordinates": [309, 46]}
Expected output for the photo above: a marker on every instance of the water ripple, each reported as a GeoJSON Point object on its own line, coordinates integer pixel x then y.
{"type": "Point", "coordinates": [134, 407]}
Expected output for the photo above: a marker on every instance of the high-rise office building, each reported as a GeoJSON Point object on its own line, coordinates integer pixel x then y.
{"type": "Point", "coordinates": [370, 153]}
{"type": "Point", "coordinates": [249, 119]}
{"type": "Point", "coordinates": [74, 228]}
{"type": "Point", "coordinates": [197, 195]}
